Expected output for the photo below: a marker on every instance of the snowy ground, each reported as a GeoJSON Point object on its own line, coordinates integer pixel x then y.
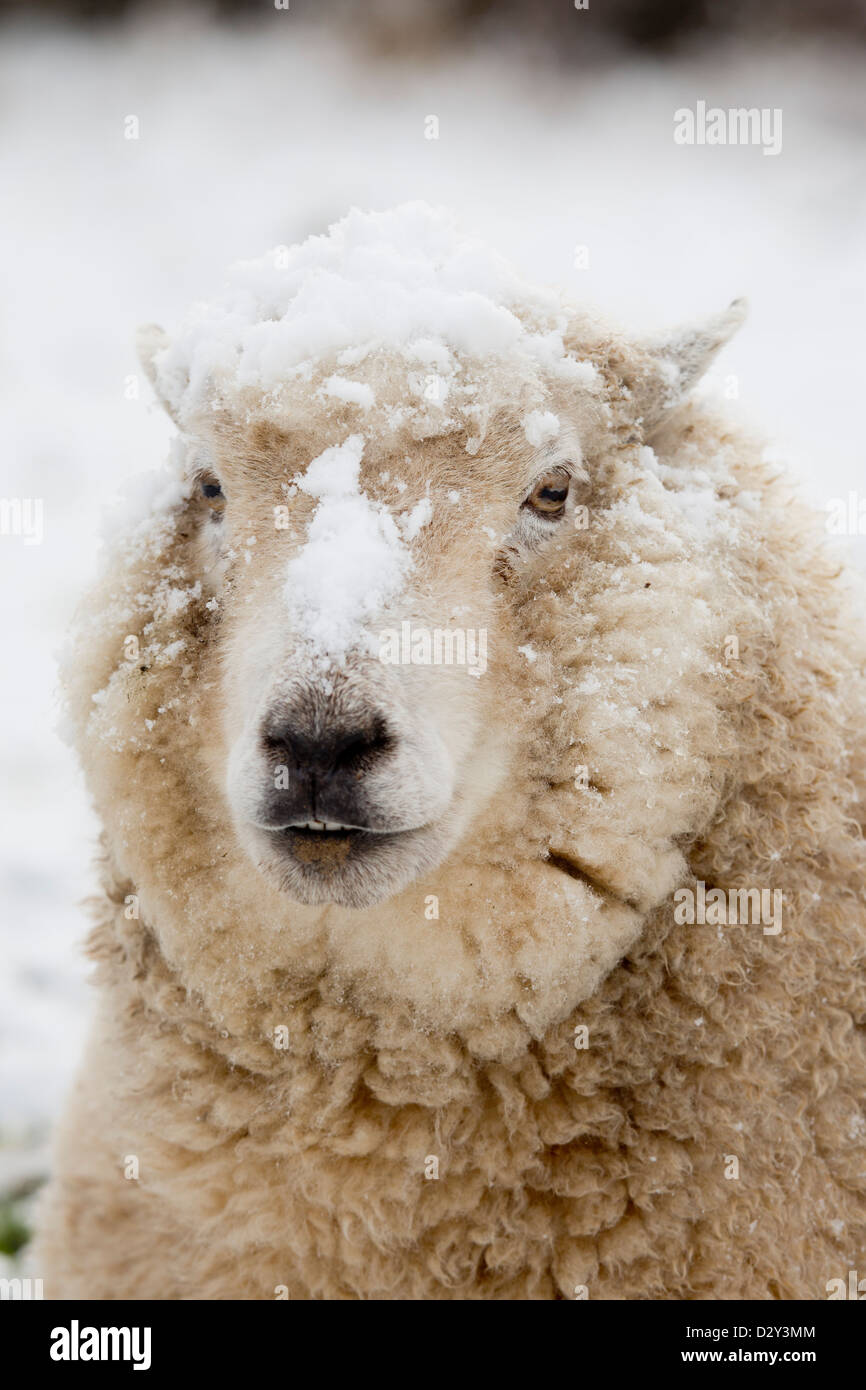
{"type": "Point", "coordinates": [253, 138]}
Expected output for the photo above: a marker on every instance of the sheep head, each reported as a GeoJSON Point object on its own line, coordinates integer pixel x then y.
{"type": "Point", "coordinates": [449, 621]}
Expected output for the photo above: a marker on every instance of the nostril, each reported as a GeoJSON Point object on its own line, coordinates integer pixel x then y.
{"type": "Point", "coordinates": [281, 744]}
{"type": "Point", "coordinates": [359, 746]}
{"type": "Point", "coordinates": [334, 748]}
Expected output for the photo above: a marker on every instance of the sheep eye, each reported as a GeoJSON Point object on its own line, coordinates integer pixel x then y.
{"type": "Point", "coordinates": [550, 494]}
{"type": "Point", "coordinates": [211, 491]}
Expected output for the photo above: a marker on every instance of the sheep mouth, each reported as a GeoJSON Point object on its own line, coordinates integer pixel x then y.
{"type": "Point", "coordinates": [320, 862]}
{"type": "Point", "coordinates": [326, 829]}
{"type": "Point", "coordinates": [329, 844]}
{"type": "Point", "coordinates": [332, 832]}
{"type": "Point", "coordinates": [327, 847]}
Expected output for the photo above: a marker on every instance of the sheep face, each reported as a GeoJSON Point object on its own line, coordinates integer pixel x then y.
{"type": "Point", "coordinates": [369, 605]}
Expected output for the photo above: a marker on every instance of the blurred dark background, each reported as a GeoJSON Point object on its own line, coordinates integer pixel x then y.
{"type": "Point", "coordinates": [412, 25]}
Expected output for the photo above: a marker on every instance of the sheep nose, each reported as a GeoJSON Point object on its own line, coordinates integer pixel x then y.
{"type": "Point", "coordinates": [330, 751]}
{"type": "Point", "coordinates": [320, 765]}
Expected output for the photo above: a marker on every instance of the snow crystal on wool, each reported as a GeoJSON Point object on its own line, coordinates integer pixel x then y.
{"type": "Point", "coordinates": [353, 562]}
{"type": "Point", "coordinates": [691, 491]}
{"type": "Point", "coordinates": [421, 515]}
{"type": "Point", "coordinates": [353, 392]}
{"type": "Point", "coordinates": [540, 426]}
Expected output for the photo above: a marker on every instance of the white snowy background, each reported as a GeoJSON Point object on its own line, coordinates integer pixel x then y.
{"type": "Point", "coordinates": [262, 135]}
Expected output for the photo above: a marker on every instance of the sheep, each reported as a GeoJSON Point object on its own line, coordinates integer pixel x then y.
{"type": "Point", "coordinates": [416, 981]}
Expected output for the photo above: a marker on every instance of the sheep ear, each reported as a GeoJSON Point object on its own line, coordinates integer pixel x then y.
{"type": "Point", "coordinates": [149, 341]}
{"type": "Point", "coordinates": [677, 361]}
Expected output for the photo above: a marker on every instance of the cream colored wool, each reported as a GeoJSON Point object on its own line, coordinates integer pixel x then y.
{"type": "Point", "coordinates": [304, 1169]}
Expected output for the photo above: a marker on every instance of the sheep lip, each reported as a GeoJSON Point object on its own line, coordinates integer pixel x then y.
{"type": "Point", "coordinates": [309, 833]}
{"type": "Point", "coordinates": [321, 827]}
{"type": "Point", "coordinates": [328, 827]}
{"type": "Point", "coordinates": [359, 837]}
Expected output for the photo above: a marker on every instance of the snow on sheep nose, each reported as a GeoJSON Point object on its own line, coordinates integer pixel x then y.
{"type": "Point", "coordinates": [353, 562]}
{"type": "Point", "coordinates": [318, 772]}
